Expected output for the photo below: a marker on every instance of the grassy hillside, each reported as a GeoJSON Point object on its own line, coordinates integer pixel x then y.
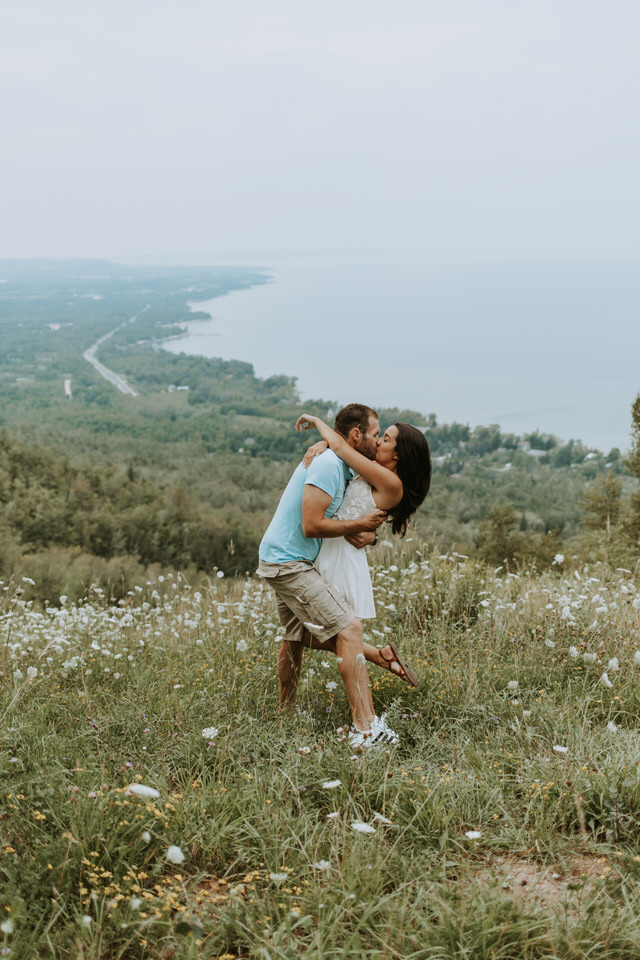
{"type": "Point", "coordinates": [155, 804]}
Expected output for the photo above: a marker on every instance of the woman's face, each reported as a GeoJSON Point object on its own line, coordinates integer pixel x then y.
{"type": "Point", "coordinates": [386, 453]}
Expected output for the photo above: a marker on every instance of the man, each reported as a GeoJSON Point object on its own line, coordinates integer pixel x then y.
{"type": "Point", "coordinates": [312, 611]}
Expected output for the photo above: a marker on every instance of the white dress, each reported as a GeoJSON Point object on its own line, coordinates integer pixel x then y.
{"type": "Point", "coordinates": [343, 565]}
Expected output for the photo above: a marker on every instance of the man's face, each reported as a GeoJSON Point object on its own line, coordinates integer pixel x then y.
{"type": "Point", "coordinates": [368, 442]}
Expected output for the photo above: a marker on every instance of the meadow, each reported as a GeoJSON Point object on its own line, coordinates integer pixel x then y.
{"type": "Point", "coordinates": [155, 803]}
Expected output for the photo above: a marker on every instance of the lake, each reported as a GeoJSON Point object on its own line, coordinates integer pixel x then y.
{"type": "Point", "coordinates": [552, 346]}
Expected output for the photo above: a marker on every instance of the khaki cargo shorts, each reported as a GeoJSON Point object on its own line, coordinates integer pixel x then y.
{"type": "Point", "coordinates": [305, 600]}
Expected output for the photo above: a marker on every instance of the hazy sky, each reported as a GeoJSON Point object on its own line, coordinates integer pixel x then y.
{"type": "Point", "coordinates": [447, 128]}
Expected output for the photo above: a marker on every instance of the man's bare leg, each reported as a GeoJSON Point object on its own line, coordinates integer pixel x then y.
{"type": "Point", "coordinates": [289, 667]}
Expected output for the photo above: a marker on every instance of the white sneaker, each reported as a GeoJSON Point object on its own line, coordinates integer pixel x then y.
{"type": "Point", "coordinates": [379, 734]}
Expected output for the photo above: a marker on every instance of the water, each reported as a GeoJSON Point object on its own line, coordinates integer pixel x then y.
{"type": "Point", "coordinates": [549, 346]}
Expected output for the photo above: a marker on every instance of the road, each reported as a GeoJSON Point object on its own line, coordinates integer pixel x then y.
{"type": "Point", "coordinates": [105, 372]}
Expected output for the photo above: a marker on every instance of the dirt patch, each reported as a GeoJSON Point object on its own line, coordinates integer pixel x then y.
{"type": "Point", "coordinates": [544, 885]}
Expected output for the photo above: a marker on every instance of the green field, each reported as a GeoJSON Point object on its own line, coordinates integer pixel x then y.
{"type": "Point", "coordinates": [503, 825]}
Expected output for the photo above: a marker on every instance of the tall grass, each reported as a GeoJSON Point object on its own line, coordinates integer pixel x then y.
{"type": "Point", "coordinates": [518, 751]}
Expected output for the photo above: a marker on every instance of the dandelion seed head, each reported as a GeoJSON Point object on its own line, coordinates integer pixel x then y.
{"type": "Point", "coordinates": [175, 855]}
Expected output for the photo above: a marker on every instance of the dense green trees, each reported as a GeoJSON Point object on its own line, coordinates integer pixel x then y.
{"type": "Point", "coordinates": [102, 487]}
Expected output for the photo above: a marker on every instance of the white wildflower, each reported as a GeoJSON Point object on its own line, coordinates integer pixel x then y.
{"type": "Point", "coordinates": [331, 784]}
{"type": "Point", "coordinates": [549, 643]}
{"type": "Point", "coordinates": [210, 732]}
{"type": "Point", "coordinates": [322, 865]}
{"type": "Point", "coordinates": [512, 685]}
{"type": "Point", "coordinates": [242, 646]}
{"type": "Point", "coordinates": [473, 834]}
{"type": "Point", "coordinates": [613, 665]}
{"type": "Point", "coordinates": [573, 652]}
{"type": "Point", "coordinates": [32, 673]}
{"type": "Point", "coordinates": [636, 656]}
{"type": "Point", "coordinates": [604, 680]}
{"type": "Point", "coordinates": [175, 855]}
{"type": "Point", "coordinates": [278, 877]}
{"type": "Point", "coordinates": [526, 714]}
{"type": "Point", "coordinates": [334, 815]}
{"type": "Point", "coordinates": [589, 657]}
{"type": "Point", "coordinates": [360, 658]}
{"type": "Point", "coordinates": [135, 903]}
{"type": "Point", "coordinates": [379, 817]}
{"type": "Point", "coordinates": [361, 827]}
{"type": "Point", "coordinates": [611, 727]}
{"type": "Point", "coordinates": [7, 926]}
{"type": "Point", "coordinates": [18, 675]}
{"type": "Point", "coordinates": [636, 603]}
{"type": "Point", "coordinates": [86, 920]}
{"type": "Point", "coordinates": [145, 836]}
{"type": "Point", "coordinates": [559, 749]}
{"type": "Point", "coordinates": [304, 750]}
{"type": "Point", "coordinates": [220, 574]}
{"type": "Point", "coordinates": [331, 685]}
{"type": "Point", "coordinates": [314, 626]}
{"type": "Point", "coordinates": [141, 790]}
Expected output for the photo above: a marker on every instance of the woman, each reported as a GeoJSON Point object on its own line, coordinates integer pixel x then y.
{"type": "Point", "coordinates": [397, 481]}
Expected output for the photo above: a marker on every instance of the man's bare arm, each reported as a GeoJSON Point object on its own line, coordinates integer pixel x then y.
{"type": "Point", "coordinates": [314, 523]}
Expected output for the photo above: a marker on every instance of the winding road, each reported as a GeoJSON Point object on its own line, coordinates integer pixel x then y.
{"type": "Point", "coordinates": [105, 372]}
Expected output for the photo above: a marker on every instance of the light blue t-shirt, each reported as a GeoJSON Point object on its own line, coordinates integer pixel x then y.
{"type": "Point", "coordinates": [284, 540]}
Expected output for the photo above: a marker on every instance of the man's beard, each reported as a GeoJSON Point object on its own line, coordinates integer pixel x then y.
{"type": "Point", "coordinates": [368, 448]}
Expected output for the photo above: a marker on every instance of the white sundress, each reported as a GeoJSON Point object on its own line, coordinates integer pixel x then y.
{"type": "Point", "coordinates": [343, 565]}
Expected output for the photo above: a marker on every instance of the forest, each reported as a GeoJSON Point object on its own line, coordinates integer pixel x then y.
{"type": "Point", "coordinates": [97, 487]}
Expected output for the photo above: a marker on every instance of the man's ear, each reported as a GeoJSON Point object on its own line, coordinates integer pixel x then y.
{"type": "Point", "coordinates": [355, 435]}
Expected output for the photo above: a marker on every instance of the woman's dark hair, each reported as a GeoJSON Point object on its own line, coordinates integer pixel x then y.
{"type": "Point", "coordinates": [414, 469]}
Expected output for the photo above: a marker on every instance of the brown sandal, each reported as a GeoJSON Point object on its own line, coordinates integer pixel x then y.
{"type": "Point", "coordinates": [405, 673]}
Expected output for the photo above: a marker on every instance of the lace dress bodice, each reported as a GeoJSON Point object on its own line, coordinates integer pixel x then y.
{"type": "Point", "coordinates": [357, 500]}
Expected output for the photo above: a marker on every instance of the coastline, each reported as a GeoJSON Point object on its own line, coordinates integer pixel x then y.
{"type": "Point", "coordinates": [453, 340]}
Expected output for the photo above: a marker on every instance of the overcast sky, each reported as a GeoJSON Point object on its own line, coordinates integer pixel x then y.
{"type": "Point", "coordinates": [453, 129]}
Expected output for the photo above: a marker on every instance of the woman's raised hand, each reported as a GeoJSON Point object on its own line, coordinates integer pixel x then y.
{"type": "Point", "coordinates": [306, 422]}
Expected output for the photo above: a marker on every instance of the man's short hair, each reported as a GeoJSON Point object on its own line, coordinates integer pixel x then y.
{"type": "Point", "coordinates": [354, 415]}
